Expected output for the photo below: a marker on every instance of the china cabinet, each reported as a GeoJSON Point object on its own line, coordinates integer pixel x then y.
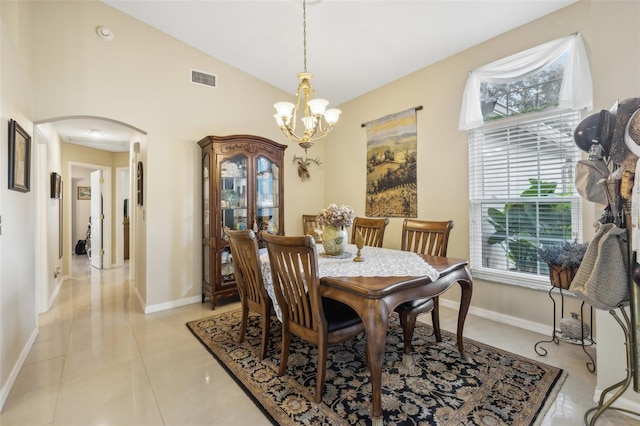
{"type": "Point", "coordinates": [242, 187]}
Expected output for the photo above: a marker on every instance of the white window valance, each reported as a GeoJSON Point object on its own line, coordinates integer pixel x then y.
{"type": "Point", "coordinates": [576, 91]}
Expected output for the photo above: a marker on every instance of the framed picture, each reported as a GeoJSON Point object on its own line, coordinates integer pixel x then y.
{"type": "Point", "coordinates": [84, 193]}
{"type": "Point", "coordinates": [140, 182]}
{"type": "Point", "coordinates": [19, 158]}
{"type": "Point", "coordinates": [56, 185]}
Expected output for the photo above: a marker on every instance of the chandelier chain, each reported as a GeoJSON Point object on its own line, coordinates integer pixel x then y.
{"type": "Point", "coordinates": [304, 33]}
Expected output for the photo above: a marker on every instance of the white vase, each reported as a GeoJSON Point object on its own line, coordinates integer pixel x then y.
{"type": "Point", "coordinates": [334, 240]}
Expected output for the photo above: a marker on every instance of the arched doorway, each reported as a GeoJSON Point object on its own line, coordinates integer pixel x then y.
{"type": "Point", "coordinates": [68, 146]}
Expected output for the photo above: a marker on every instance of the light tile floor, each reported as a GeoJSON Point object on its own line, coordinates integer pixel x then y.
{"type": "Point", "coordinates": [99, 361]}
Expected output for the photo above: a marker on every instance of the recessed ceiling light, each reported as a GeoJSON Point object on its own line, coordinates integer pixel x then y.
{"type": "Point", "coordinates": [104, 33]}
{"type": "Point", "coordinates": [96, 133]}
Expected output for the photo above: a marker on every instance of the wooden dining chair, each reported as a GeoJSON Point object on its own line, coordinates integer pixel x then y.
{"type": "Point", "coordinates": [371, 228]}
{"type": "Point", "coordinates": [296, 284]}
{"type": "Point", "coordinates": [424, 237]}
{"type": "Point", "coordinates": [248, 273]}
{"type": "Point", "coordinates": [310, 224]}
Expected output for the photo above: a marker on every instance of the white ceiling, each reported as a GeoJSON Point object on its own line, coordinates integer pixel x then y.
{"type": "Point", "coordinates": [353, 47]}
{"type": "Point", "coordinates": [95, 133]}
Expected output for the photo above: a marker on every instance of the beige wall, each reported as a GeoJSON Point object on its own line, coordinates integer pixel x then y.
{"type": "Point", "coordinates": [442, 151]}
{"type": "Point", "coordinates": [18, 241]}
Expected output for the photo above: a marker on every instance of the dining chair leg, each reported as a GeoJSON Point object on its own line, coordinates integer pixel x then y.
{"type": "Point", "coordinates": [322, 370]}
{"type": "Point", "coordinates": [435, 319]}
{"type": "Point", "coordinates": [243, 322]}
{"type": "Point", "coordinates": [284, 352]}
{"type": "Point", "coordinates": [265, 322]}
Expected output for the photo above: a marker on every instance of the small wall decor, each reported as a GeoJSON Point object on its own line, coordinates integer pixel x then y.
{"type": "Point", "coordinates": [303, 165]}
{"type": "Point", "coordinates": [84, 193]}
{"type": "Point", "coordinates": [140, 181]}
{"type": "Point", "coordinates": [19, 158]}
{"type": "Point", "coordinates": [56, 185]}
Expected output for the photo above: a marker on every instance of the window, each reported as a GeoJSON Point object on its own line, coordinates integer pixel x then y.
{"type": "Point", "coordinates": [521, 189]}
{"type": "Point", "coordinates": [521, 112]}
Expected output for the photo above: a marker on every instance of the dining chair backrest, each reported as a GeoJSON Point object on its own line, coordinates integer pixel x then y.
{"type": "Point", "coordinates": [294, 268]}
{"type": "Point", "coordinates": [246, 263]}
{"type": "Point", "coordinates": [371, 228]}
{"type": "Point", "coordinates": [426, 237]}
{"type": "Point", "coordinates": [305, 313]}
{"type": "Point", "coordinates": [309, 224]}
{"type": "Point", "coordinates": [249, 280]}
{"type": "Point", "coordinates": [430, 238]}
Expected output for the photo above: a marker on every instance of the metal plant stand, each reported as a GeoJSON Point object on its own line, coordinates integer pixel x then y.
{"type": "Point", "coordinates": [557, 336]}
{"type": "Point", "coordinates": [623, 384]}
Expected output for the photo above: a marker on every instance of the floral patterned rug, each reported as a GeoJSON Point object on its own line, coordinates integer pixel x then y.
{"type": "Point", "coordinates": [492, 387]}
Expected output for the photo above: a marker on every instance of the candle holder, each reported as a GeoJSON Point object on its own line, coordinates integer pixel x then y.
{"type": "Point", "coordinates": [359, 244]}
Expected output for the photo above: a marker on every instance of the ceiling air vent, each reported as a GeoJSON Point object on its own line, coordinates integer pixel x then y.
{"type": "Point", "coordinates": [204, 79]}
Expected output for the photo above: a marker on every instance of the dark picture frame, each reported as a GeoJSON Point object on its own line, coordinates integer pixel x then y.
{"type": "Point", "coordinates": [60, 222]}
{"type": "Point", "coordinates": [140, 182]}
{"type": "Point", "coordinates": [56, 185]}
{"type": "Point", "coordinates": [19, 158]}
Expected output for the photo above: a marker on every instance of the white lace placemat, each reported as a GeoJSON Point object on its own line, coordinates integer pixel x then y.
{"type": "Point", "coordinates": [378, 262]}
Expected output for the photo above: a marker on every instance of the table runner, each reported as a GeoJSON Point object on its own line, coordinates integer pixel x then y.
{"type": "Point", "coordinates": [378, 262]}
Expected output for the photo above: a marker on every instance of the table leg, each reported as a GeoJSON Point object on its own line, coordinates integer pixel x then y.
{"type": "Point", "coordinates": [465, 301]}
{"type": "Point", "coordinates": [375, 316]}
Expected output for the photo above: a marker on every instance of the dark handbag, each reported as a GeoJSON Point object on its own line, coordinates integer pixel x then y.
{"type": "Point", "coordinates": [602, 279]}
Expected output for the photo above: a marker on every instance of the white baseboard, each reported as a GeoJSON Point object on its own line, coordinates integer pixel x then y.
{"type": "Point", "coordinates": [149, 309]}
{"type": "Point", "coordinates": [501, 318]}
{"type": "Point", "coordinates": [56, 290]}
{"type": "Point", "coordinates": [6, 389]}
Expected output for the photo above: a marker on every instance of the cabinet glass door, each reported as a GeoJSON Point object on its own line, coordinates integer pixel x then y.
{"type": "Point", "coordinates": [267, 202]}
{"type": "Point", "coordinates": [233, 205]}
{"type": "Point", "coordinates": [206, 225]}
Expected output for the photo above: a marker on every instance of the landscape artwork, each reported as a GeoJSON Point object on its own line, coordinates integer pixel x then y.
{"type": "Point", "coordinates": [391, 166]}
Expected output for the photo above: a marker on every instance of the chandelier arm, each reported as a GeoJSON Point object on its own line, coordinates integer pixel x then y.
{"type": "Point", "coordinates": [304, 33]}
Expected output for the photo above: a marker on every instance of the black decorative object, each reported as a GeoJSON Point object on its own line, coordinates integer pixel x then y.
{"type": "Point", "coordinates": [56, 184]}
{"type": "Point", "coordinates": [140, 181]}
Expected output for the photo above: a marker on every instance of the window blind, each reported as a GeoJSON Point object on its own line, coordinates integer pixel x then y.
{"type": "Point", "coordinates": [522, 193]}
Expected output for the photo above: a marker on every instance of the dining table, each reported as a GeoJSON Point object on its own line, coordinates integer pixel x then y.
{"type": "Point", "coordinates": [384, 279]}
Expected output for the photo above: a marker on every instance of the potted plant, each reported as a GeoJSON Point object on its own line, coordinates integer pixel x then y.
{"type": "Point", "coordinates": [563, 261]}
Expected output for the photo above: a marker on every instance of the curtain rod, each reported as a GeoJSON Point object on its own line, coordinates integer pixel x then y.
{"type": "Point", "coordinates": [418, 108]}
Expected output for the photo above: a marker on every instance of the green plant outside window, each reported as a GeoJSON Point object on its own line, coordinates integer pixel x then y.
{"type": "Point", "coordinates": [522, 228]}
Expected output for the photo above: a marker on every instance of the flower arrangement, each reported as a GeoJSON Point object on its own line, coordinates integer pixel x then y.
{"type": "Point", "coordinates": [568, 254]}
{"type": "Point", "coordinates": [334, 215]}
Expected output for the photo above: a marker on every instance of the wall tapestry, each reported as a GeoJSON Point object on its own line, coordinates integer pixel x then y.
{"type": "Point", "coordinates": [391, 166]}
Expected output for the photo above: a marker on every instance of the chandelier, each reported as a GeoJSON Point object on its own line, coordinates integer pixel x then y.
{"type": "Point", "coordinates": [317, 120]}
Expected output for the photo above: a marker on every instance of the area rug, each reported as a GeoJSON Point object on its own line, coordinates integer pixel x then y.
{"type": "Point", "coordinates": [492, 387]}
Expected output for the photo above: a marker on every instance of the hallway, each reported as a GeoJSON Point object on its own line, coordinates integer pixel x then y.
{"type": "Point", "coordinates": [99, 361]}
